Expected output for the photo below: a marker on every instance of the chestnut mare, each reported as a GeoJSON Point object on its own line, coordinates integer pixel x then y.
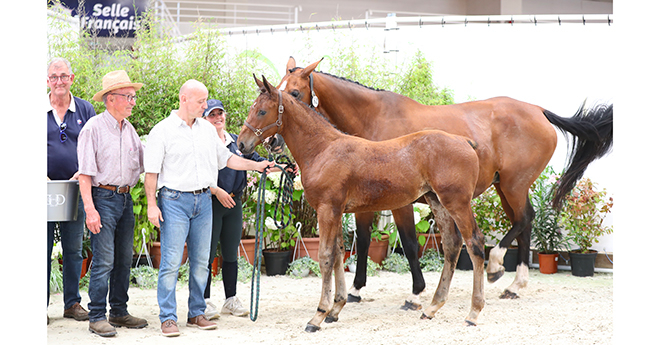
{"type": "Point", "coordinates": [346, 174]}
{"type": "Point", "coordinates": [515, 143]}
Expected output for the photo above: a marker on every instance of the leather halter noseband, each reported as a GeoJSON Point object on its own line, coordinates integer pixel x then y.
{"type": "Point", "coordinates": [259, 131]}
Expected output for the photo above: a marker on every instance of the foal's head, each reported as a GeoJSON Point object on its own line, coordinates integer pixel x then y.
{"type": "Point", "coordinates": [264, 118]}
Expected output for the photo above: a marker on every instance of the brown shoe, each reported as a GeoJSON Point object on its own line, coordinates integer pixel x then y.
{"type": "Point", "coordinates": [202, 322]}
{"type": "Point", "coordinates": [77, 312]}
{"type": "Point", "coordinates": [169, 328]}
{"type": "Point", "coordinates": [102, 328]}
{"type": "Point", "coordinates": [128, 321]}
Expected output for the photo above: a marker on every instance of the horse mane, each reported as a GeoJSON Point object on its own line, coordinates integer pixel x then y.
{"type": "Point", "coordinates": [340, 78]}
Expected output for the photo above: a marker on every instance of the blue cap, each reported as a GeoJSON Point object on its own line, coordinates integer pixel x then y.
{"type": "Point", "coordinates": [213, 104]}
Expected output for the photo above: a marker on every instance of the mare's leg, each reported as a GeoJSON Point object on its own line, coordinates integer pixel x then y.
{"type": "Point", "coordinates": [451, 245]}
{"type": "Point", "coordinates": [363, 222]}
{"type": "Point", "coordinates": [329, 235]}
{"type": "Point", "coordinates": [405, 223]}
{"type": "Point", "coordinates": [520, 211]}
{"type": "Point", "coordinates": [340, 282]}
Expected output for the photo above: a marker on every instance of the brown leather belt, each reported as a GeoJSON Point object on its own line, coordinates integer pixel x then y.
{"type": "Point", "coordinates": [117, 189]}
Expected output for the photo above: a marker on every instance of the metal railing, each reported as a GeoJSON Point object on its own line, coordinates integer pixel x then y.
{"type": "Point", "coordinates": [227, 14]}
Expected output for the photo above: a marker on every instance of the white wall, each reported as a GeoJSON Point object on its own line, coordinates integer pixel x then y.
{"type": "Point", "coordinates": [554, 66]}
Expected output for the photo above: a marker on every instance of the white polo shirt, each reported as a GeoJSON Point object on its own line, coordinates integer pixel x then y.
{"type": "Point", "coordinates": [185, 158]}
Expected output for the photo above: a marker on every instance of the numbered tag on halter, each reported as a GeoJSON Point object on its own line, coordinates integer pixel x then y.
{"type": "Point", "coordinates": [315, 100]}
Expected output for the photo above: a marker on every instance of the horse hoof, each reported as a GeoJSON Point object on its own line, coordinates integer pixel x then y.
{"type": "Point", "coordinates": [311, 328]}
{"type": "Point", "coordinates": [493, 277]}
{"type": "Point", "coordinates": [425, 317]}
{"type": "Point", "coordinates": [331, 319]}
{"type": "Point", "coordinates": [509, 295]}
{"type": "Point", "coordinates": [353, 298]}
{"type": "Point", "coordinates": [469, 323]}
{"type": "Point", "coordinates": [411, 306]}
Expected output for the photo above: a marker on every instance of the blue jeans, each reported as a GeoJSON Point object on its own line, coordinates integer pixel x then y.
{"type": "Point", "coordinates": [113, 252]}
{"type": "Point", "coordinates": [71, 236]}
{"type": "Point", "coordinates": [186, 218]}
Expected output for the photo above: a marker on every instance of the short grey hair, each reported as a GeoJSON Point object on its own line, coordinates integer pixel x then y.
{"type": "Point", "coordinates": [58, 60]}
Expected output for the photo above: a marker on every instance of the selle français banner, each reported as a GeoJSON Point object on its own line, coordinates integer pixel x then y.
{"type": "Point", "coordinates": [108, 18]}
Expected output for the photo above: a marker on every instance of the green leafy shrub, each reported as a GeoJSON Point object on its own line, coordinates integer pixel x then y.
{"type": "Point", "coordinates": [396, 262]}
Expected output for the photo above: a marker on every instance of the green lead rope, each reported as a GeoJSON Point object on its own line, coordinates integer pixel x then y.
{"type": "Point", "coordinates": [285, 194]}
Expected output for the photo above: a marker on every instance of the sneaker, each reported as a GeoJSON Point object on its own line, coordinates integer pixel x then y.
{"type": "Point", "coordinates": [77, 312]}
{"type": "Point", "coordinates": [211, 311]}
{"type": "Point", "coordinates": [233, 306]}
{"type": "Point", "coordinates": [102, 328]}
{"type": "Point", "coordinates": [128, 321]}
{"type": "Point", "coordinates": [202, 322]}
{"type": "Point", "coordinates": [169, 328]}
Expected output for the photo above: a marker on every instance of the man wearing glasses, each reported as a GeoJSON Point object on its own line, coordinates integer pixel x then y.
{"type": "Point", "coordinates": [66, 116]}
{"type": "Point", "coordinates": [110, 155]}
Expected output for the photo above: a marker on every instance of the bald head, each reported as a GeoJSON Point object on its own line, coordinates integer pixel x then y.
{"type": "Point", "coordinates": [192, 100]}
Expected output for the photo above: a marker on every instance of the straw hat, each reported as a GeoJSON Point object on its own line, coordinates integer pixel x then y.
{"type": "Point", "coordinates": [115, 80]}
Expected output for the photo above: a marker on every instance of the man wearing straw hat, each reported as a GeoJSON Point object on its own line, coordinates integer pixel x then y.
{"type": "Point", "coordinates": [110, 155]}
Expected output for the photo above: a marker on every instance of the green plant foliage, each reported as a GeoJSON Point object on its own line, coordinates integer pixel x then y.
{"type": "Point", "coordinates": [490, 215]}
{"type": "Point", "coordinates": [184, 274]}
{"type": "Point", "coordinates": [244, 270]}
{"type": "Point", "coordinates": [431, 261]}
{"type": "Point", "coordinates": [372, 267]}
{"type": "Point", "coordinates": [546, 230]}
{"type": "Point", "coordinates": [417, 83]}
{"type": "Point", "coordinates": [141, 218]}
{"type": "Point", "coordinates": [144, 277]}
{"type": "Point", "coordinates": [396, 262]}
{"type": "Point", "coordinates": [298, 266]}
{"type": "Point", "coordinates": [583, 214]}
{"type": "Point", "coordinates": [56, 278]}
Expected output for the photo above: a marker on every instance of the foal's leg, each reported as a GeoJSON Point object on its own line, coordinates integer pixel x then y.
{"type": "Point", "coordinates": [405, 223]}
{"type": "Point", "coordinates": [363, 222]}
{"type": "Point", "coordinates": [451, 245]}
{"type": "Point", "coordinates": [329, 232]}
{"type": "Point", "coordinates": [340, 283]}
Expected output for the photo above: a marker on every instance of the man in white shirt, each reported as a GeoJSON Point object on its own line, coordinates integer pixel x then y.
{"type": "Point", "coordinates": [182, 158]}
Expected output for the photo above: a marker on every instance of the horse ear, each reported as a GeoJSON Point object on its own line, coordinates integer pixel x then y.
{"type": "Point", "coordinates": [266, 84]}
{"type": "Point", "coordinates": [259, 83]}
{"type": "Point", "coordinates": [309, 69]}
{"type": "Point", "coordinates": [291, 64]}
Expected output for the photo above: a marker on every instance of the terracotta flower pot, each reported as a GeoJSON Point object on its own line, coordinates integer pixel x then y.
{"type": "Point", "coordinates": [155, 253]}
{"type": "Point", "coordinates": [312, 245]}
{"type": "Point", "coordinates": [378, 249]}
{"type": "Point", "coordinates": [246, 249]}
{"type": "Point", "coordinates": [430, 243]}
{"type": "Point", "coordinates": [548, 263]}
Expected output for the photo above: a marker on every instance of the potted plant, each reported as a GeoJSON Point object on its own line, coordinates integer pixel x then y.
{"type": "Point", "coordinates": [348, 233]}
{"type": "Point", "coordinates": [142, 222]}
{"type": "Point", "coordinates": [423, 225]}
{"type": "Point", "coordinates": [372, 267]}
{"type": "Point", "coordinates": [380, 241]}
{"type": "Point", "coordinates": [431, 261]}
{"type": "Point", "coordinates": [582, 216]}
{"type": "Point", "coordinates": [396, 263]}
{"type": "Point", "coordinates": [546, 230]}
{"type": "Point", "coordinates": [493, 223]}
{"type": "Point", "coordinates": [300, 268]}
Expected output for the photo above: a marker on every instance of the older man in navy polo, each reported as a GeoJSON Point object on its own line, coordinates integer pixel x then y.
{"type": "Point", "coordinates": [65, 117]}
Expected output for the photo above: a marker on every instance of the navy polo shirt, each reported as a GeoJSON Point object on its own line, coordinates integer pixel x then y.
{"type": "Point", "coordinates": [63, 156]}
{"type": "Point", "coordinates": [235, 181]}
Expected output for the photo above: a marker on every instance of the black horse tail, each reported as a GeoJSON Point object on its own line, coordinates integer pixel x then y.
{"type": "Point", "coordinates": [592, 130]}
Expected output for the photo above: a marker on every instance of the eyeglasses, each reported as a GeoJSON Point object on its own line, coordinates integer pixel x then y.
{"type": "Point", "coordinates": [129, 98]}
{"type": "Point", "coordinates": [63, 135]}
{"type": "Point", "coordinates": [63, 78]}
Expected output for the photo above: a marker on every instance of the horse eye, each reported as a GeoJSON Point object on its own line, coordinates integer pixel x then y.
{"type": "Point", "coordinates": [261, 112]}
{"type": "Point", "coordinates": [295, 93]}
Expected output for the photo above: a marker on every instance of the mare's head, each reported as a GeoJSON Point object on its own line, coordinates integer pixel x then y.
{"type": "Point", "coordinates": [297, 81]}
{"type": "Point", "coordinates": [264, 118]}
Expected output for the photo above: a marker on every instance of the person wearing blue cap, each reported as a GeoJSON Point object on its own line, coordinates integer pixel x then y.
{"type": "Point", "coordinates": [227, 215]}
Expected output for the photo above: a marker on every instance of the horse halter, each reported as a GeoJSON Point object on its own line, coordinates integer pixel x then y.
{"type": "Point", "coordinates": [314, 100]}
{"type": "Point", "coordinates": [259, 131]}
